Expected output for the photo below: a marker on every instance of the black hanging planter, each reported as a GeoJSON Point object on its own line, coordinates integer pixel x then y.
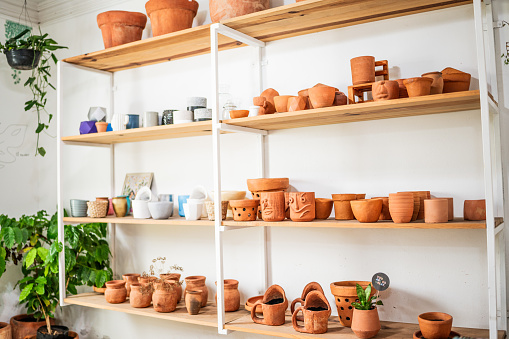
{"type": "Point", "coordinates": [23, 59]}
{"type": "Point", "coordinates": [62, 332]}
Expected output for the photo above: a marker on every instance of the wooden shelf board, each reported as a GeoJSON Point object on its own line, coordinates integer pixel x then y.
{"type": "Point", "coordinates": [397, 108]}
{"type": "Point", "coordinates": [206, 317]}
{"type": "Point", "coordinates": [173, 221]}
{"type": "Point", "coordinates": [282, 22]}
{"type": "Point", "coordinates": [392, 330]}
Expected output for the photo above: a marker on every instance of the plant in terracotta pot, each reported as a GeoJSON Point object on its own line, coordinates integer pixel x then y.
{"type": "Point", "coordinates": [365, 320]}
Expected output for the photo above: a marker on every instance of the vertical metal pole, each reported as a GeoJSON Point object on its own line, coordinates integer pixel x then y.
{"type": "Point", "coordinates": [60, 206]}
{"type": "Point", "coordinates": [216, 151]}
{"type": "Point", "coordinates": [502, 278]}
{"type": "Point", "coordinates": [112, 227]}
{"type": "Point", "coordinates": [488, 180]}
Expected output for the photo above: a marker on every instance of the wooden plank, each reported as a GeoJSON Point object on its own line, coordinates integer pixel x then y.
{"type": "Point", "coordinates": [206, 317]}
{"type": "Point", "coordinates": [392, 330]}
{"type": "Point", "coordinates": [282, 22]}
{"type": "Point", "coordinates": [174, 221]}
{"type": "Point", "coordinates": [405, 107]}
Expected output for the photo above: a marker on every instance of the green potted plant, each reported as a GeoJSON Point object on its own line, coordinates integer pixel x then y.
{"type": "Point", "coordinates": [34, 53]}
{"type": "Point", "coordinates": [365, 320]}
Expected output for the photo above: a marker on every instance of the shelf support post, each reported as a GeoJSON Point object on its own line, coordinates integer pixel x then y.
{"type": "Point", "coordinates": [112, 226]}
{"type": "Point", "coordinates": [60, 206]}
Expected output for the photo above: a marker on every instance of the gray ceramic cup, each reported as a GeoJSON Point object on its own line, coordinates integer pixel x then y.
{"type": "Point", "coordinates": [150, 119]}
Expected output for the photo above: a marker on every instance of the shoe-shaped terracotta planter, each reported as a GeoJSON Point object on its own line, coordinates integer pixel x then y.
{"type": "Point", "coordinates": [274, 305]}
{"type": "Point", "coordinates": [316, 311]}
{"type": "Point", "coordinates": [312, 286]}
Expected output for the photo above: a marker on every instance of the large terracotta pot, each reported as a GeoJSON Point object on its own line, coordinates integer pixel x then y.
{"type": "Point", "coordinates": [363, 70]}
{"type": "Point", "coordinates": [342, 207]}
{"type": "Point", "coordinates": [474, 210]}
{"type": "Point", "coordinates": [436, 210]}
{"type": "Point", "coordinates": [116, 292]}
{"type": "Point", "coordinates": [302, 206]}
{"type": "Point", "coordinates": [5, 331]}
{"type": "Point", "coordinates": [23, 325]}
{"type": "Point", "coordinates": [385, 90]}
{"type": "Point", "coordinates": [274, 305]}
{"type": "Point", "coordinates": [418, 86]}
{"type": "Point", "coordinates": [169, 16]}
{"type": "Point", "coordinates": [344, 294]}
{"type": "Point", "coordinates": [164, 298]}
{"type": "Point", "coordinates": [435, 325]}
{"type": "Point", "coordinates": [227, 9]}
{"type": "Point", "coordinates": [316, 311]}
{"type": "Point", "coordinates": [367, 210]}
{"type": "Point", "coordinates": [312, 286]}
{"type": "Point", "coordinates": [121, 27]}
{"type": "Point", "coordinates": [141, 295]}
{"type": "Point", "coordinates": [401, 206]}
{"type": "Point", "coordinates": [196, 283]}
{"type": "Point", "coordinates": [455, 80]}
{"type": "Point", "coordinates": [437, 86]}
{"type": "Point", "coordinates": [231, 295]}
{"type": "Point", "coordinates": [366, 323]}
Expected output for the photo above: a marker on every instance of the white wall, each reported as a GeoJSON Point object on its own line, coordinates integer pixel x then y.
{"type": "Point", "coordinates": [429, 269]}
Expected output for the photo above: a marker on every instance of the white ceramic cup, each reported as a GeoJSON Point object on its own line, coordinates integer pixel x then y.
{"type": "Point", "coordinates": [254, 110]}
{"type": "Point", "coordinates": [140, 209]}
{"type": "Point", "coordinates": [193, 209]}
{"type": "Point", "coordinates": [150, 119]}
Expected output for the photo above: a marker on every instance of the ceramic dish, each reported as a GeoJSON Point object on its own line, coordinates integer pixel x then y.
{"type": "Point", "coordinates": [250, 303]}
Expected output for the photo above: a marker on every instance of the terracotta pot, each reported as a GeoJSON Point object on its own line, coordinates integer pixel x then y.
{"type": "Point", "coordinates": [360, 196]}
{"type": "Point", "coordinates": [437, 86]}
{"type": "Point", "coordinates": [268, 184]}
{"type": "Point", "coordinates": [141, 295]}
{"type": "Point", "coordinates": [116, 292]}
{"type": "Point", "coordinates": [121, 27]}
{"type": "Point", "coordinates": [252, 301]}
{"type": "Point", "coordinates": [177, 286]}
{"type": "Point", "coordinates": [129, 279]}
{"type": "Point", "coordinates": [304, 94]}
{"type": "Point", "coordinates": [417, 204]}
{"type": "Point", "coordinates": [312, 286]}
{"type": "Point", "coordinates": [245, 210]}
{"type": "Point", "coordinates": [385, 214]}
{"type": "Point", "coordinates": [193, 301]}
{"type": "Point", "coordinates": [474, 210]}
{"type": "Point", "coordinates": [296, 104]}
{"type": "Point", "coordinates": [99, 289]}
{"type": "Point", "coordinates": [195, 283]}
{"type": "Point", "coordinates": [101, 126]}
{"type": "Point", "coordinates": [227, 9]}
{"type": "Point", "coordinates": [455, 80]}
{"type": "Point", "coordinates": [419, 86]}
{"type": "Point", "coordinates": [450, 208]}
{"type": "Point", "coordinates": [385, 90]}
{"type": "Point", "coordinates": [302, 206]}
{"type": "Point", "coordinates": [23, 325]}
{"type": "Point", "coordinates": [422, 196]}
{"type": "Point", "coordinates": [401, 207]}
{"type": "Point", "coordinates": [403, 93]}
{"type": "Point", "coordinates": [340, 99]}
{"type": "Point", "coordinates": [164, 298]}
{"type": "Point", "coordinates": [366, 323]}
{"type": "Point", "coordinates": [240, 113]}
{"type": "Point", "coordinates": [231, 295]}
{"type": "Point", "coordinates": [436, 210]}
{"type": "Point", "coordinates": [274, 305]}
{"type": "Point", "coordinates": [322, 96]}
{"type": "Point", "coordinates": [367, 210]}
{"type": "Point", "coordinates": [269, 95]}
{"type": "Point", "coordinates": [363, 69]}
{"type": "Point", "coordinates": [316, 311]}
{"type": "Point", "coordinates": [5, 331]}
{"type": "Point", "coordinates": [266, 107]}
{"type": "Point", "coordinates": [281, 103]}
{"type": "Point", "coordinates": [323, 208]}
{"type": "Point", "coordinates": [273, 206]}
{"type": "Point", "coordinates": [169, 16]}
{"type": "Point", "coordinates": [344, 294]}
{"type": "Point", "coordinates": [435, 325]}
{"type": "Point", "coordinates": [342, 207]}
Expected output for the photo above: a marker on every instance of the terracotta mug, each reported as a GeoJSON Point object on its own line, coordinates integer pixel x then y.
{"type": "Point", "coordinates": [312, 286]}
{"type": "Point", "coordinates": [302, 206]}
{"type": "Point", "coordinates": [274, 305]}
{"type": "Point", "coordinates": [316, 311]}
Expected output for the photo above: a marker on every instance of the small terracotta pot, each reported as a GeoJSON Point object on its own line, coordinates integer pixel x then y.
{"type": "Point", "coordinates": [227, 9]}
{"type": "Point", "coordinates": [274, 305]}
{"type": "Point", "coordinates": [417, 204]}
{"type": "Point", "coordinates": [23, 325]}
{"type": "Point", "coordinates": [437, 86]}
{"type": "Point", "coordinates": [101, 126]}
{"type": "Point", "coordinates": [323, 208]}
{"type": "Point", "coordinates": [419, 86]}
{"type": "Point", "coordinates": [129, 279]}
{"type": "Point", "coordinates": [455, 80]}
{"type": "Point", "coordinates": [273, 206]}
{"type": "Point", "coordinates": [281, 103]}
{"type": "Point", "coordinates": [363, 69]}
{"type": "Point", "coordinates": [169, 16]}
{"type": "Point", "coordinates": [116, 292]}
{"type": "Point", "coordinates": [340, 99]}
{"type": "Point", "coordinates": [312, 286]}
{"type": "Point", "coordinates": [302, 206]}
{"type": "Point", "coordinates": [342, 207]}
{"type": "Point", "coordinates": [241, 113]}
{"type": "Point", "coordinates": [269, 95]}
{"type": "Point", "coordinates": [403, 93]}
{"type": "Point", "coordinates": [141, 295]}
{"type": "Point", "coordinates": [322, 96]}
{"type": "Point", "coordinates": [401, 206]}
{"type": "Point", "coordinates": [195, 283]}
{"type": "Point", "coordinates": [436, 210]}
{"type": "Point", "coordinates": [450, 208]}
{"type": "Point", "coordinates": [193, 302]}
{"type": "Point", "coordinates": [164, 298]}
{"type": "Point", "coordinates": [366, 323]}
{"type": "Point", "coordinates": [474, 210]}
{"type": "Point", "coordinates": [176, 285]}
{"type": "Point", "coordinates": [367, 210]}
{"type": "Point", "coordinates": [316, 311]}
{"type": "Point", "coordinates": [385, 214]}
{"type": "Point", "coordinates": [435, 325]}
{"type": "Point", "coordinates": [268, 184]}
{"type": "Point", "coordinates": [231, 295]}
{"type": "Point", "coordinates": [344, 294]}
{"type": "Point", "coordinates": [296, 104]}
{"type": "Point", "coordinates": [385, 90]}
{"type": "Point", "coordinates": [245, 210]}
{"type": "Point", "coordinates": [422, 196]}
{"type": "Point", "coordinates": [266, 107]}
{"type": "Point", "coordinates": [121, 27]}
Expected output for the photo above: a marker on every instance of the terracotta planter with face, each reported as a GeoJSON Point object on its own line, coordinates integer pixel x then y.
{"type": "Point", "coordinates": [302, 206]}
{"type": "Point", "coordinates": [273, 206]}
{"type": "Point", "coordinates": [385, 90]}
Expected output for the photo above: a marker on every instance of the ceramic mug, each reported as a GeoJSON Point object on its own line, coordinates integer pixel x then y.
{"type": "Point", "coordinates": [131, 121]}
{"type": "Point", "coordinates": [150, 119]}
{"type": "Point", "coordinates": [182, 201]}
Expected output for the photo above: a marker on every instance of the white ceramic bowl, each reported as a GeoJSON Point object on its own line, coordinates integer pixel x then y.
{"type": "Point", "coordinates": [140, 209]}
{"type": "Point", "coordinates": [182, 115]}
{"type": "Point", "coordinates": [160, 209]}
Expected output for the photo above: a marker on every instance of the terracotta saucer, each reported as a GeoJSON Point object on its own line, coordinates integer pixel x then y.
{"type": "Point", "coordinates": [251, 301]}
{"type": "Point", "coordinates": [418, 335]}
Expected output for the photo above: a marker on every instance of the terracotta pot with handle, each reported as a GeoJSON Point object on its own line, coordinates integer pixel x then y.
{"type": "Point", "coordinates": [274, 305]}
{"type": "Point", "coordinates": [312, 286]}
{"type": "Point", "coordinates": [316, 311]}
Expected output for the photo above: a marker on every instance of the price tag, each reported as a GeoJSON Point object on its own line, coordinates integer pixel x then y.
{"type": "Point", "coordinates": [380, 281]}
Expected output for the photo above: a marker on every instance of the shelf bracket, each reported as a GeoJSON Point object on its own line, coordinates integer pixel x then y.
{"type": "Point", "coordinates": [233, 228]}
{"type": "Point", "coordinates": [77, 143]}
{"type": "Point", "coordinates": [234, 128]}
{"type": "Point", "coordinates": [236, 35]}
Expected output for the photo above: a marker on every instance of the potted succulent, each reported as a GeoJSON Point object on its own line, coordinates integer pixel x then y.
{"type": "Point", "coordinates": [365, 321]}
{"type": "Point", "coordinates": [34, 53]}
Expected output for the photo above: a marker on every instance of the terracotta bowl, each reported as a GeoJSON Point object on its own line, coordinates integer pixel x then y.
{"type": "Point", "coordinates": [250, 303]}
{"type": "Point", "coordinates": [268, 184]}
{"type": "Point", "coordinates": [323, 208]}
{"type": "Point", "coordinates": [418, 86]}
{"type": "Point", "coordinates": [281, 103]}
{"type": "Point", "coordinates": [322, 96]}
{"type": "Point", "coordinates": [367, 210]}
{"type": "Point", "coordinates": [241, 113]}
{"type": "Point", "coordinates": [435, 325]}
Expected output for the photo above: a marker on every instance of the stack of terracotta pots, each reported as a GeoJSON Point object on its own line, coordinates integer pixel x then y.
{"type": "Point", "coordinates": [269, 185]}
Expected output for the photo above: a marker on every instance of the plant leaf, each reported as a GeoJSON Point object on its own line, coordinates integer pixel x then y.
{"type": "Point", "coordinates": [42, 253]}
{"type": "Point", "coordinates": [41, 151]}
{"type": "Point", "coordinates": [41, 280]}
{"type": "Point", "coordinates": [9, 238]}
{"type": "Point", "coordinates": [100, 278]}
{"type": "Point", "coordinates": [360, 293]}
{"type": "Point", "coordinates": [26, 291]}
{"type": "Point", "coordinates": [368, 292]}
{"type": "Point", "coordinates": [30, 257]}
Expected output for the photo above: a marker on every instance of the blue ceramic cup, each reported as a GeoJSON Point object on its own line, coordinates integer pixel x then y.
{"type": "Point", "coordinates": [182, 201]}
{"type": "Point", "coordinates": [133, 122]}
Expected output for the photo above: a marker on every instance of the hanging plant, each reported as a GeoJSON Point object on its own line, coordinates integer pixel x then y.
{"type": "Point", "coordinates": [34, 53]}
